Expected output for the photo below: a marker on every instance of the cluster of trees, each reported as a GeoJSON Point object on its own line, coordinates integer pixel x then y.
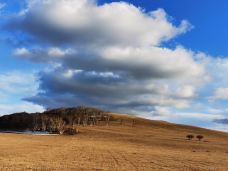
{"type": "Point", "coordinates": [55, 120]}
{"type": "Point", "coordinates": [50, 124]}
{"type": "Point", "coordinates": [190, 137]}
{"type": "Point", "coordinates": [16, 121]}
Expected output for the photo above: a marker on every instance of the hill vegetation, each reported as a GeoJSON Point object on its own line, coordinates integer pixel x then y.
{"type": "Point", "coordinates": [55, 120]}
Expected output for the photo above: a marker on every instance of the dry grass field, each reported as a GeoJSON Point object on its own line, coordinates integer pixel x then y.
{"type": "Point", "coordinates": [148, 145]}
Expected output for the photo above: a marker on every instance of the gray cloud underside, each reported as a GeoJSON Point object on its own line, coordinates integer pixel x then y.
{"type": "Point", "coordinates": [222, 121]}
{"type": "Point", "coordinates": [107, 56]}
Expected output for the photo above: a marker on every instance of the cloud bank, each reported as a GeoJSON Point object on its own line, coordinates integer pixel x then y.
{"type": "Point", "coordinates": [107, 55]}
{"type": "Point", "coordinates": [113, 56]}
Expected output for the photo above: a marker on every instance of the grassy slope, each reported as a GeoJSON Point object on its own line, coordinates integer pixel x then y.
{"type": "Point", "coordinates": [149, 145]}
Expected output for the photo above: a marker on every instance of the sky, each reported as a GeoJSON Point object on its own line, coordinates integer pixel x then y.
{"type": "Point", "coordinates": [158, 59]}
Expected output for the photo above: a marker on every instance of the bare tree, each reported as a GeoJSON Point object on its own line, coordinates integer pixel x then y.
{"type": "Point", "coordinates": [121, 121]}
{"type": "Point", "coordinates": [60, 125]}
{"type": "Point", "coordinates": [133, 122]}
{"type": "Point", "coordinates": [57, 125]}
{"type": "Point", "coordinates": [79, 120]}
{"type": "Point", "coordinates": [190, 136]}
{"type": "Point", "coordinates": [107, 119]}
{"type": "Point", "coordinates": [85, 121]}
{"type": "Point", "coordinates": [36, 123]}
{"type": "Point", "coordinates": [44, 123]}
{"type": "Point", "coordinates": [199, 137]}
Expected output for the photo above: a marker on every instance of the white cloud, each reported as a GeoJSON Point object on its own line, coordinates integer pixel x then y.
{"type": "Point", "coordinates": [217, 69]}
{"type": "Point", "coordinates": [219, 127]}
{"type": "Point", "coordinates": [22, 52]}
{"type": "Point", "coordinates": [161, 112]}
{"type": "Point", "coordinates": [6, 108]}
{"type": "Point", "coordinates": [170, 63]}
{"type": "Point", "coordinates": [220, 94]}
{"type": "Point", "coordinates": [83, 21]}
{"type": "Point", "coordinates": [186, 91]}
{"type": "Point", "coordinates": [57, 52]}
{"type": "Point", "coordinates": [166, 112]}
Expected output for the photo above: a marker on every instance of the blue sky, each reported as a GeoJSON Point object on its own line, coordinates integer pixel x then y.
{"type": "Point", "coordinates": [163, 59]}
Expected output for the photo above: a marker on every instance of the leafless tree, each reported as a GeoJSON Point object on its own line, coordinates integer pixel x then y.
{"type": "Point", "coordinates": [36, 126]}
{"type": "Point", "coordinates": [121, 121]}
{"type": "Point", "coordinates": [57, 125]}
{"type": "Point", "coordinates": [44, 122]}
{"type": "Point", "coordinates": [199, 137]}
{"type": "Point", "coordinates": [133, 122]}
{"type": "Point", "coordinates": [85, 121]}
{"type": "Point", "coordinates": [190, 136]}
{"type": "Point", "coordinates": [107, 119]}
{"type": "Point", "coordinates": [79, 120]}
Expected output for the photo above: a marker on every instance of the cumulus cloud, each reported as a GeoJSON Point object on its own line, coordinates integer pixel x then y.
{"type": "Point", "coordinates": [217, 68]}
{"type": "Point", "coordinates": [22, 52]}
{"type": "Point", "coordinates": [41, 55]}
{"type": "Point", "coordinates": [109, 56]}
{"type": "Point", "coordinates": [84, 22]}
{"type": "Point", "coordinates": [220, 94]}
{"type": "Point", "coordinates": [140, 63]}
{"type": "Point", "coordinates": [56, 52]}
{"type": "Point", "coordinates": [187, 91]}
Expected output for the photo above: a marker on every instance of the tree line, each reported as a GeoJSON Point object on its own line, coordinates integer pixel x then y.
{"type": "Point", "coordinates": [55, 120]}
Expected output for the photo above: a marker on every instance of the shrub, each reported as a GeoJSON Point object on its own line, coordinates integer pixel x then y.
{"type": "Point", "coordinates": [189, 137]}
{"type": "Point", "coordinates": [199, 137]}
{"type": "Point", "coordinates": [70, 131]}
{"type": "Point", "coordinates": [57, 125]}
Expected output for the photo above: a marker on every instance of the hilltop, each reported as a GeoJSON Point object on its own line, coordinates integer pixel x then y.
{"type": "Point", "coordinates": [53, 120]}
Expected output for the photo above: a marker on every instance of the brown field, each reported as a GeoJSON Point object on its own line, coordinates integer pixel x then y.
{"type": "Point", "coordinates": [148, 145]}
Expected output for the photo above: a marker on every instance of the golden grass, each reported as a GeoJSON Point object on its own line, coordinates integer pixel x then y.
{"type": "Point", "coordinates": [149, 145]}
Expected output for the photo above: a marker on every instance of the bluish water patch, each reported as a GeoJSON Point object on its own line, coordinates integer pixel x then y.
{"type": "Point", "coordinates": [29, 132]}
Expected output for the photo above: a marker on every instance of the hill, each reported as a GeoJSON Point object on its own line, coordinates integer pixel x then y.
{"type": "Point", "coordinates": [53, 121]}
{"type": "Point", "coordinates": [122, 143]}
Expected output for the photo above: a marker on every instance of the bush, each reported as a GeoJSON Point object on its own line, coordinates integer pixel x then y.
{"type": "Point", "coordinates": [189, 137]}
{"type": "Point", "coordinates": [199, 137]}
{"type": "Point", "coordinates": [70, 131]}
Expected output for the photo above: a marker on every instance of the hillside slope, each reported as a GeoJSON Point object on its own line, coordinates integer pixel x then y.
{"type": "Point", "coordinates": [126, 143]}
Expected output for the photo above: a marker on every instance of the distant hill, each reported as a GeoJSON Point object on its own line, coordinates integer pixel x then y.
{"type": "Point", "coordinates": [56, 120]}
{"type": "Point", "coordinates": [16, 121]}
